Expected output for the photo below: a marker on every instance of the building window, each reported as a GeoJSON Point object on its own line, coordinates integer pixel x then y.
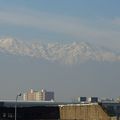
{"type": "Point", "coordinates": [10, 115]}
{"type": "Point", "coordinates": [4, 115]}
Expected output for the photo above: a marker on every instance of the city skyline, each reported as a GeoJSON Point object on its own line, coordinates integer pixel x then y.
{"type": "Point", "coordinates": [70, 47]}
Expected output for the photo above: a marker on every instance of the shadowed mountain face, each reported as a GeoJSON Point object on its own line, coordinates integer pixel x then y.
{"type": "Point", "coordinates": [62, 53]}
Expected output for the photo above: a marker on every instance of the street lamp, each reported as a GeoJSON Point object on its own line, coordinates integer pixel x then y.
{"type": "Point", "coordinates": [16, 105]}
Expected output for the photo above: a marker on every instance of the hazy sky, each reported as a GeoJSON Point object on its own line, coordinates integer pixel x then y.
{"type": "Point", "coordinates": [64, 21]}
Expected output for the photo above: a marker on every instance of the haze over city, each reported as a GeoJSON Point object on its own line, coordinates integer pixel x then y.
{"type": "Point", "coordinates": [69, 47]}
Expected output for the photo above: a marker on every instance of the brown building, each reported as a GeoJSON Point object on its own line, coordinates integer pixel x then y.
{"type": "Point", "coordinates": [92, 111]}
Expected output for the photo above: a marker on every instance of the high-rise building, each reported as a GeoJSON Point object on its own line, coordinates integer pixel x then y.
{"type": "Point", "coordinates": [42, 95]}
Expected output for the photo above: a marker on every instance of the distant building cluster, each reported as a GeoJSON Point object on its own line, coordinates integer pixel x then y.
{"type": "Point", "coordinates": [96, 99]}
{"type": "Point", "coordinates": [42, 95]}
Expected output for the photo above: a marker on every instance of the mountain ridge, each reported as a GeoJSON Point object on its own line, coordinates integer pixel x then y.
{"type": "Point", "coordinates": [71, 53]}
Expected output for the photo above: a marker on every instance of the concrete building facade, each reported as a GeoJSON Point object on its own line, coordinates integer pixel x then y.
{"type": "Point", "coordinates": [59, 111]}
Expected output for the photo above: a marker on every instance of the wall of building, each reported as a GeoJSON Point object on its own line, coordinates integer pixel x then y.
{"type": "Point", "coordinates": [53, 111]}
{"type": "Point", "coordinates": [83, 112]}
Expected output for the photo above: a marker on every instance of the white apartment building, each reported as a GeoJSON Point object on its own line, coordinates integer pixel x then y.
{"type": "Point", "coordinates": [42, 95]}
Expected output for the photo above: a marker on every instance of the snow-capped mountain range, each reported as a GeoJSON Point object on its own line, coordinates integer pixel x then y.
{"type": "Point", "coordinates": [71, 53]}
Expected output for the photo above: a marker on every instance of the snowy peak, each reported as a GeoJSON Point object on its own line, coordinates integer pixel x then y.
{"type": "Point", "coordinates": [7, 42]}
{"type": "Point", "coordinates": [75, 52]}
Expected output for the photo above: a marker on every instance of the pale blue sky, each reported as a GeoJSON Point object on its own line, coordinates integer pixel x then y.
{"type": "Point", "coordinates": [94, 21]}
{"type": "Point", "coordinates": [66, 20]}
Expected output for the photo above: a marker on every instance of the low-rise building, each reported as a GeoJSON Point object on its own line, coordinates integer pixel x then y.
{"type": "Point", "coordinates": [93, 99]}
{"type": "Point", "coordinates": [82, 99]}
